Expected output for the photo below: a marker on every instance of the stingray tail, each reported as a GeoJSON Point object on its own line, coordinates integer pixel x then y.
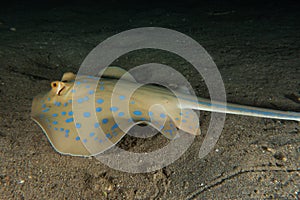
{"type": "Point", "coordinates": [207, 105]}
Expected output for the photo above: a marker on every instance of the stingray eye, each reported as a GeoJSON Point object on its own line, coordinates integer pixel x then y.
{"type": "Point", "coordinates": [58, 87]}
{"type": "Point", "coordinates": [54, 84]}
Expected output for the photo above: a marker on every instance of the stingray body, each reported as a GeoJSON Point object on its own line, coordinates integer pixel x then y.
{"type": "Point", "coordinates": [84, 116]}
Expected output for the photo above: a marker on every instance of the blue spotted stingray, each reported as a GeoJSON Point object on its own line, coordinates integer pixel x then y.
{"type": "Point", "coordinates": [84, 116]}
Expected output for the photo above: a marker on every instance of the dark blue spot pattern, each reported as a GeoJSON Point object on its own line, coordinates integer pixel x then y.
{"type": "Point", "coordinates": [137, 112]}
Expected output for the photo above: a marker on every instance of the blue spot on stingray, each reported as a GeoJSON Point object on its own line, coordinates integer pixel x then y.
{"type": "Point", "coordinates": [132, 102]}
{"type": "Point", "coordinates": [86, 98]}
{"type": "Point", "coordinates": [113, 109]}
{"type": "Point", "coordinates": [104, 121]}
{"type": "Point", "coordinates": [96, 138]}
{"type": "Point", "coordinates": [91, 92]}
{"type": "Point", "coordinates": [100, 141]}
{"type": "Point", "coordinates": [100, 101]}
{"type": "Point", "coordinates": [169, 131]}
{"type": "Point", "coordinates": [73, 90]}
{"type": "Point", "coordinates": [70, 113]}
{"type": "Point", "coordinates": [65, 104]}
{"type": "Point", "coordinates": [161, 127]}
{"type": "Point", "coordinates": [80, 100]}
{"type": "Point", "coordinates": [48, 98]}
{"type": "Point", "coordinates": [101, 87]}
{"type": "Point", "coordinates": [55, 122]}
{"type": "Point", "coordinates": [108, 135]}
{"type": "Point", "coordinates": [98, 109]}
{"type": "Point", "coordinates": [114, 126]}
{"type": "Point", "coordinates": [162, 115]}
{"type": "Point", "coordinates": [67, 131]}
{"type": "Point", "coordinates": [137, 112]}
{"type": "Point", "coordinates": [121, 114]}
{"type": "Point", "coordinates": [54, 115]}
{"type": "Point", "coordinates": [77, 82]}
{"type": "Point", "coordinates": [96, 125]}
{"type": "Point", "coordinates": [143, 119]}
{"type": "Point", "coordinates": [70, 101]}
{"type": "Point", "coordinates": [121, 97]}
{"type": "Point", "coordinates": [78, 125]}
{"type": "Point", "coordinates": [61, 129]}
{"type": "Point", "coordinates": [84, 140]}
{"type": "Point", "coordinates": [46, 110]}
{"type": "Point", "coordinates": [56, 129]}
{"type": "Point", "coordinates": [57, 103]}
{"type": "Point", "coordinates": [87, 86]}
{"type": "Point", "coordinates": [92, 134]}
{"type": "Point", "coordinates": [44, 106]}
{"type": "Point", "coordinates": [183, 120]}
{"type": "Point", "coordinates": [150, 113]}
{"type": "Point", "coordinates": [130, 120]}
{"type": "Point", "coordinates": [69, 120]}
{"type": "Point", "coordinates": [177, 118]}
{"type": "Point", "coordinates": [77, 138]}
{"type": "Point", "coordinates": [63, 113]}
{"type": "Point", "coordinates": [86, 114]}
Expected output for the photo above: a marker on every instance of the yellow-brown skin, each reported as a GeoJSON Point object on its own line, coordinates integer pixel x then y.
{"type": "Point", "coordinates": [159, 101]}
{"type": "Point", "coordinates": [102, 105]}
